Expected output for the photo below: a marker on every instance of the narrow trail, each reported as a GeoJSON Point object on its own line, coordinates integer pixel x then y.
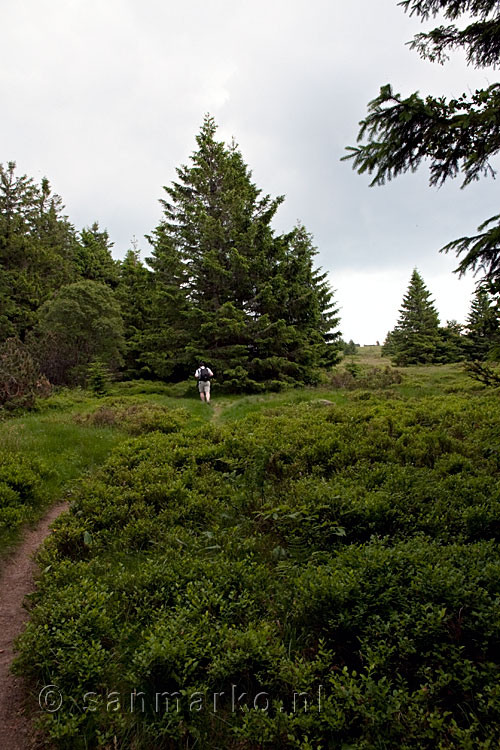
{"type": "Point", "coordinates": [16, 581]}
{"type": "Point", "coordinates": [218, 408]}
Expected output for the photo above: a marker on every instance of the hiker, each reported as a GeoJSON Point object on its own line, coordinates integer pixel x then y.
{"type": "Point", "coordinates": [203, 375]}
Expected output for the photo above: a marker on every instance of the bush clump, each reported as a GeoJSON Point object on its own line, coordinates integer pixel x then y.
{"type": "Point", "coordinates": [353, 375]}
{"type": "Point", "coordinates": [137, 418]}
{"type": "Point", "coordinates": [307, 578]}
{"type": "Point", "coordinates": [21, 492]}
{"type": "Point", "coordinates": [20, 379]}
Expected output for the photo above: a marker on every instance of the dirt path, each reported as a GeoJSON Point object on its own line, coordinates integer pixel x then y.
{"type": "Point", "coordinates": [17, 580]}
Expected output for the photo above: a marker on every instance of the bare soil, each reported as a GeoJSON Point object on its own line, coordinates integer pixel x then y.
{"type": "Point", "coordinates": [17, 576]}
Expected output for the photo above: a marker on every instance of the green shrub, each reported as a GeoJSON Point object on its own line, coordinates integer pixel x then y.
{"type": "Point", "coordinates": [21, 381]}
{"type": "Point", "coordinates": [329, 577]}
{"type": "Point", "coordinates": [137, 418]}
{"type": "Point", "coordinates": [98, 377]}
{"type": "Point", "coordinates": [21, 491]}
{"type": "Point", "coordinates": [354, 375]}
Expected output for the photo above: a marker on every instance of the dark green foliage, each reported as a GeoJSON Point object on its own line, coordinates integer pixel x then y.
{"type": "Point", "coordinates": [21, 381]}
{"type": "Point", "coordinates": [417, 339]}
{"type": "Point", "coordinates": [389, 346]}
{"type": "Point", "coordinates": [349, 554]}
{"type": "Point", "coordinates": [228, 290]}
{"type": "Point", "coordinates": [455, 136]}
{"type": "Point", "coordinates": [401, 133]}
{"type": "Point", "coordinates": [483, 328]}
{"type": "Point", "coordinates": [80, 323]}
{"type": "Point", "coordinates": [135, 293]}
{"type": "Point", "coordinates": [93, 259]}
{"type": "Point", "coordinates": [21, 491]}
{"type": "Point", "coordinates": [452, 342]}
{"type": "Point", "coordinates": [37, 245]}
{"type": "Point", "coordinates": [98, 377]}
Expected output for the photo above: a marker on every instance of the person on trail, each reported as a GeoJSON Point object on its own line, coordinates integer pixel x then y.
{"type": "Point", "coordinates": [203, 375]}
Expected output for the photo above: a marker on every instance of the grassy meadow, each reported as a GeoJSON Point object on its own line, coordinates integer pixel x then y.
{"type": "Point", "coordinates": [311, 569]}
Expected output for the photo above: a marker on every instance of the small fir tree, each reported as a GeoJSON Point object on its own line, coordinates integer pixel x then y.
{"type": "Point", "coordinates": [93, 259]}
{"type": "Point", "coordinates": [483, 329]}
{"type": "Point", "coordinates": [415, 339]}
{"type": "Point", "coordinates": [98, 377]}
{"type": "Point", "coordinates": [451, 347]}
{"type": "Point", "coordinates": [349, 347]}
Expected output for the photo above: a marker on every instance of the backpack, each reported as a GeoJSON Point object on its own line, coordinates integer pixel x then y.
{"type": "Point", "coordinates": [204, 374]}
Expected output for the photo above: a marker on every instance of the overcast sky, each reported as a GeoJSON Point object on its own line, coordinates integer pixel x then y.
{"type": "Point", "coordinates": [105, 98]}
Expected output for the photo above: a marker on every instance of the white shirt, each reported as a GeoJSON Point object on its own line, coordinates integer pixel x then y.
{"type": "Point", "coordinates": [197, 373]}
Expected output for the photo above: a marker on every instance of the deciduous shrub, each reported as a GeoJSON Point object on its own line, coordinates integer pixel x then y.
{"type": "Point", "coordinates": [21, 491]}
{"type": "Point", "coordinates": [137, 418]}
{"type": "Point", "coordinates": [353, 375]}
{"type": "Point", "coordinates": [306, 579]}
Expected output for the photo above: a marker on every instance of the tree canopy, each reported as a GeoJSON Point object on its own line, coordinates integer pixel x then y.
{"type": "Point", "coordinates": [80, 324]}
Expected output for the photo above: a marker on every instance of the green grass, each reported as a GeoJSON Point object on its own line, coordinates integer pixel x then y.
{"type": "Point", "coordinates": [419, 380]}
{"type": "Point", "coordinates": [54, 445]}
{"type": "Point", "coordinates": [282, 544]}
{"type": "Point", "coordinates": [59, 451]}
{"type": "Point", "coordinates": [57, 442]}
{"type": "Point", "coordinates": [238, 407]}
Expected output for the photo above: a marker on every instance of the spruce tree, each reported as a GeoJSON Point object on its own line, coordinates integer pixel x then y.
{"type": "Point", "coordinates": [302, 297]}
{"type": "Point", "coordinates": [456, 136]}
{"type": "Point", "coordinates": [452, 342]}
{"type": "Point", "coordinates": [483, 327]}
{"type": "Point", "coordinates": [415, 339]}
{"type": "Point", "coordinates": [93, 258]}
{"type": "Point", "coordinates": [135, 294]}
{"type": "Point", "coordinates": [37, 245]}
{"type": "Point", "coordinates": [229, 291]}
{"type": "Point", "coordinates": [169, 329]}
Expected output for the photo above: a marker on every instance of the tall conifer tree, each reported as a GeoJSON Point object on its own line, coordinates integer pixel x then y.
{"type": "Point", "coordinates": [227, 287]}
{"type": "Point", "coordinates": [135, 295]}
{"type": "Point", "coordinates": [483, 327]}
{"type": "Point", "coordinates": [37, 245]}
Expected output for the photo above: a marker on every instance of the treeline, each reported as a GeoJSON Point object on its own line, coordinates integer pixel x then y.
{"type": "Point", "coordinates": [220, 284]}
{"type": "Point", "coordinates": [418, 337]}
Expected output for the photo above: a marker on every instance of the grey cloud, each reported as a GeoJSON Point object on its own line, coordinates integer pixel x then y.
{"type": "Point", "coordinates": [106, 99]}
